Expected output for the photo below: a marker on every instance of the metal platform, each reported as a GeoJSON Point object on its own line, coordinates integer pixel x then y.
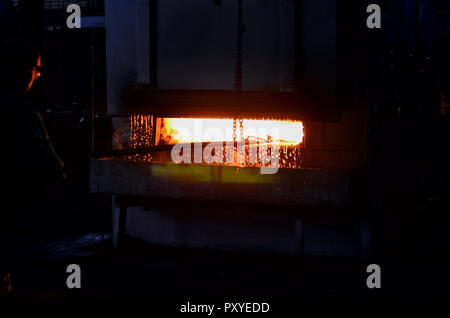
{"type": "Point", "coordinates": [300, 187]}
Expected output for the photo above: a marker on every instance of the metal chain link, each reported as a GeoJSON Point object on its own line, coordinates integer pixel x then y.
{"type": "Point", "coordinates": [241, 128]}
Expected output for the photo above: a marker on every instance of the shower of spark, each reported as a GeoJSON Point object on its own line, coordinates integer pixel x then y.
{"type": "Point", "coordinates": [286, 134]}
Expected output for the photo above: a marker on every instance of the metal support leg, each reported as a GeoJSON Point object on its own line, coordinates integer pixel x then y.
{"type": "Point", "coordinates": [298, 236]}
{"type": "Point", "coordinates": [119, 215]}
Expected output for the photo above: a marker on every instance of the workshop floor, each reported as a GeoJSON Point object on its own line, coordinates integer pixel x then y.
{"type": "Point", "coordinates": [47, 241]}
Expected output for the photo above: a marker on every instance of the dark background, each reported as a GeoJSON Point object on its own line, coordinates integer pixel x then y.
{"type": "Point", "coordinates": [404, 75]}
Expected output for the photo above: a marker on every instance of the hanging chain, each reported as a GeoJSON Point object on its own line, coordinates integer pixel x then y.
{"type": "Point", "coordinates": [238, 70]}
{"type": "Point", "coordinates": [240, 32]}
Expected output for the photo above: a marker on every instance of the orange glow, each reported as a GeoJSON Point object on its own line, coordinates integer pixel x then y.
{"type": "Point", "coordinates": [146, 130]}
{"type": "Point", "coordinates": [35, 73]}
{"type": "Point", "coordinates": [186, 130]}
